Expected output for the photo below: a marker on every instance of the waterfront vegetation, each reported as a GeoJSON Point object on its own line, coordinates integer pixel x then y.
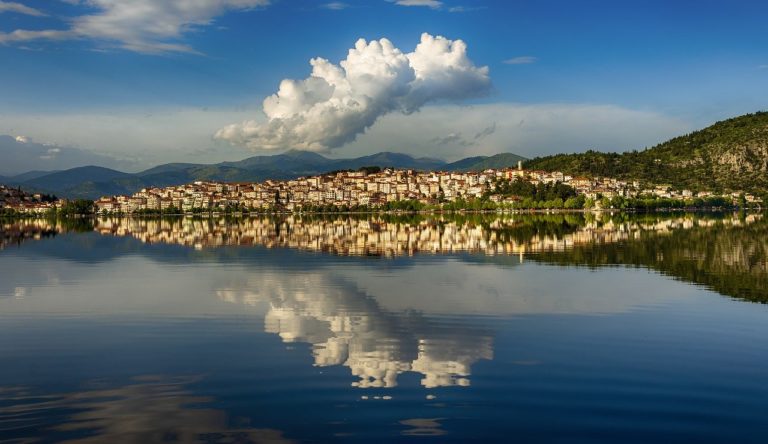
{"type": "Point", "coordinates": [75, 207]}
{"type": "Point", "coordinates": [538, 201]}
{"type": "Point", "coordinates": [578, 203]}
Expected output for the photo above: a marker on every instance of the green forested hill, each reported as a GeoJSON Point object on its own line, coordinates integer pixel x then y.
{"type": "Point", "coordinates": [479, 163]}
{"type": "Point", "coordinates": [728, 156]}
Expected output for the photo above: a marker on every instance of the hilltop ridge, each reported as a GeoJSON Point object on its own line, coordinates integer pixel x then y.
{"type": "Point", "coordinates": [730, 155]}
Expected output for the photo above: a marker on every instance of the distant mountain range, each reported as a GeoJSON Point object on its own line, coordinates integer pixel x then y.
{"type": "Point", "coordinates": [91, 182]}
{"type": "Point", "coordinates": [731, 155]}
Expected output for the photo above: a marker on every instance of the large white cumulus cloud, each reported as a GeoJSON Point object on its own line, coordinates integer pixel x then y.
{"type": "Point", "coordinates": [337, 102]}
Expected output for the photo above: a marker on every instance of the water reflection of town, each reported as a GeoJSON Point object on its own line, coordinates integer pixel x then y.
{"type": "Point", "coordinates": [348, 327]}
{"type": "Point", "coordinates": [381, 236]}
{"type": "Point", "coordinates": [16, 232]}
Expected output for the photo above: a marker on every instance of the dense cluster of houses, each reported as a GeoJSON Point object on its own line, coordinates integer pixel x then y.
{"type": "Point", "coordinates": [345, 189]}
{"type": "Point", "coordinates": [363, 188]}
{"type": "Point", "coordinates": [19, 201]}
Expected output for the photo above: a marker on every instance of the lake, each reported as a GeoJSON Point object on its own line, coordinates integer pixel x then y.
{"type": "Point", "coordinates": [531, 328]}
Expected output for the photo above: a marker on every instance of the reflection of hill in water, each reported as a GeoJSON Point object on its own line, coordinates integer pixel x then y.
{"type": "Point", "coordinates": [730, 258]}
{"type": "Point", "coordinates": [724, 252]}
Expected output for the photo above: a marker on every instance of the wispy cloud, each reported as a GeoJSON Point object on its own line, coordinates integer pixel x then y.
{"type": "Point", "coordinates": [485, 132]}
{"type": "Point", "coordinates": [23, 35]}
{"type": "Point", "coordinates": [20, 9]}
{"type": "Point", "coordinates": [762, 67]}
{"type": "Point", "coordinates": [144, 26]}
{"type": "Point", "coordinates": [459, 139]}
{"type": "Point", "coordinates": [434, 4]}
{"type": "Point", "coordinates": [465, 8]}
{"type": "Point", "coordinates": [521, 60]}
{"type": "Point", "coordinates": [336, 6]}
{"type": "Point", "coordinates": [449, 139]}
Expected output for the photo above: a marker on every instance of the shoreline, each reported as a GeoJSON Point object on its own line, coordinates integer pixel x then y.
{"type": "Point", "coordinates": [218, 214]}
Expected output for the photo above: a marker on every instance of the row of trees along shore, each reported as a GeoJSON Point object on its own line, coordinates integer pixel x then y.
{"type": "Point", "coordinates": [502, 195]}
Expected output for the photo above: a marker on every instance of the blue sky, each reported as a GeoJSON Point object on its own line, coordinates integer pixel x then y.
{"type": "Point", "coordinates": [117, 86]}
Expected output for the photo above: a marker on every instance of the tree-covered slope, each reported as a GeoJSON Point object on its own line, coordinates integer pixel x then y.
{"type": "Point", "coordinates": [727, 156]}
{"type": "Point", "coordinates": [479, 163]}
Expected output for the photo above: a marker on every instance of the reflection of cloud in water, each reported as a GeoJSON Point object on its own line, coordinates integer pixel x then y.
{"type": "Point", "coordinates": [347, 327]}
{"type": "Point", "coordinates": [20, 292]}
{"type": "Point", "coordinates": [150, 410]}
{"type": "Point", "coordinates": [456, 288]}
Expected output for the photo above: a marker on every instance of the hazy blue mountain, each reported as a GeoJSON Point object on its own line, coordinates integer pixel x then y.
{"type": "Point", "coordinates": [63, 180]}
{"type": "Point", "coordinates": [389, 159]}
{"type": "Point", "coordinates": [166, 168]}
{"type": "Point", "coordinates": [307, 156]}
{"type": "Point", "coordinates": [294, 159]}
{"type": "Point", "coordinates": [29, 175]}
{"type": "Point", "coordinates": [464, 164]}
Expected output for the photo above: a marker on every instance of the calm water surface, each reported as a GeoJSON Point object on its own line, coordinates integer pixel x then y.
{"type": "Point", "coordinates": [545, 328]}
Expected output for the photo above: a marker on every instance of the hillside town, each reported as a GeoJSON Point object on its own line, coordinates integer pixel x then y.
{"type": "Point", "coordinates": [19, 201]}
{"type": "Point", "coordinates": [367, 188]}
{"type": "Point", "coordinates": [372, 188]}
